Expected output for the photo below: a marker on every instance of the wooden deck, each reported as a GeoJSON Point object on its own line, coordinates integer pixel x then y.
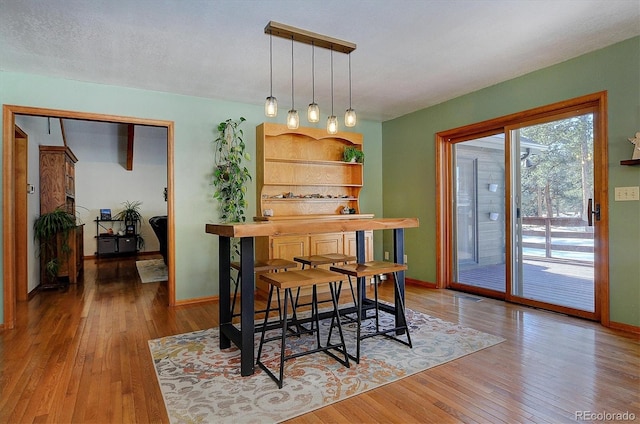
{"type": "Point", "coordinates": [562, 283]}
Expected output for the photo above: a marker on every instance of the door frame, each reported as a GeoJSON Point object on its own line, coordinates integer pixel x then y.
{"type": "Point", "coordinates": [9, 239]}
{"type": "Point", "coordinates": [444, 198]}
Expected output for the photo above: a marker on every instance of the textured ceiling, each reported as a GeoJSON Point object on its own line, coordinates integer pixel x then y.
{"type": "Point", "coordinates": [410, 54]}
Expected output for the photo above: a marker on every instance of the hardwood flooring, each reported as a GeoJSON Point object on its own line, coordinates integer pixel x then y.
{"type": "Point", "coordinates": [81, 356]}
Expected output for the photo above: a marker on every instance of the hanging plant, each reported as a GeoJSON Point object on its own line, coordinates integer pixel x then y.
{"type": "Point", "coordinates": [45, 230]}
{"type": "Point", "coordinates": [229, 174]}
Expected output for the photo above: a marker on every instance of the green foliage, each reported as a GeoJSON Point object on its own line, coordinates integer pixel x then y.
{"type": "Point", "coordinates": [130, 212]}
{"type": "Point", "coordinates": [561, 177]}
{"type": "Point", "coordinates": [45, 230]}
{"type": "Point", "coordinates": [131, 215]}
{"type": "Point", "coordinates": [350, 153]}
{"type": "Point", "coordinates": [229, 174]}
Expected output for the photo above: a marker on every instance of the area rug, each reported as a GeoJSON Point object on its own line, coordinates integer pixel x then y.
{"type": "Point", "coordinates": [152, 270]}
{"type": "Point", "coordinates": [202, 384]}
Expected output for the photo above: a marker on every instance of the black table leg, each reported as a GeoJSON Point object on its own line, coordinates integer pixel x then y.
{"type": "Point", "coordinates": [398, 257]}
{"type": "Point", "coordinates": [247, 356]}
{"type": "Point", "coordinates": [224, 287]}
{"type": "Point", "coordinates": [361, 258]}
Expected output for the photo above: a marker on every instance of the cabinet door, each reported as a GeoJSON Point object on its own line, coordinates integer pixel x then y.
{"type": "Point", "coordinates": [289, 246]}
{"type": "Point", "coordinates": [350, 244]}
{"type": "Point", "coordinates": [320, 244]}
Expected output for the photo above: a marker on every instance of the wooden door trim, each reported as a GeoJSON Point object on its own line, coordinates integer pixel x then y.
{"type": "Point", "coordinates": [8, 192]}
{"type": "Point", "coordinates": [444, 179]}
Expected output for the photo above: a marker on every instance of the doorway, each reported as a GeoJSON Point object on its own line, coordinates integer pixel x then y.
{"type": "Point", "coordinates": [526, 211]}
{"type": "Point", "coordinates": [11, 243]}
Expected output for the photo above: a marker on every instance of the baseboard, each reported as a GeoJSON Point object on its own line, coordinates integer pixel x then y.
{"type": "Point", "coordinates": [624, 327]}
{"type": "Point", "coordinates": [197, 300]}
{"type": "Point", "coordinates": [415, 282]}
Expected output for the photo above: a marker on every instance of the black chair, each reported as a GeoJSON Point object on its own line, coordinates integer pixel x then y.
{"type": "Point", "coordinates": [159, 225]}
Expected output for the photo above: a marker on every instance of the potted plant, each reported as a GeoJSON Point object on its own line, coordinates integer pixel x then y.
{"type": "Point", "coordinates": [47, 229]}
{"type": "Point", "coordinates": [353, 154]}
{"type": "Point", "coordinates": [229, 174]}
{"type": "Point", "coordinates": [131, 216]}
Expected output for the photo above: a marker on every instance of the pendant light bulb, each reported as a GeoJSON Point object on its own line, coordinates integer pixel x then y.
{"type": "Point", "coordinates": [271, 104]}
{"type": "Point", "coordinates": [332, 122]}
{"type": "Point", "coordinates": [313, 112]}
{"type": "Point", "coordinates": [350, 117]}
{"type": "Point", "coordinates": [293, 120]}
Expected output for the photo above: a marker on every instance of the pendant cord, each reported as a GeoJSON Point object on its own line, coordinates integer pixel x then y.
{"type": "Point", "coordinates": [292, 101]}
{"type": "Point", "coordinates": [271, 65]}
{"type": "Point", "coordinates": [349, 80]}
{"type": "Point", "coordinates": [313, 73]}
{"type": "Point", "coordinates": [331, 82]}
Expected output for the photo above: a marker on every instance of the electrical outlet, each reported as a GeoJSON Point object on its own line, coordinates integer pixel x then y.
{"type": "Point", "coordinates": [627, 193]}
{"type": "Point", "coordinates": [386, 256]}
{"type": "Point", "coordinates": [406, 261]}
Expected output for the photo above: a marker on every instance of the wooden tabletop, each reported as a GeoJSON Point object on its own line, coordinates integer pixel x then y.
{"type": "Point", "coordinates": [307, 226]}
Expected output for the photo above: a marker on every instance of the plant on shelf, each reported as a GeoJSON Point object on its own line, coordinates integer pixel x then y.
{"type": "Point", "coordinates": [353, 154]}
{"type": "Point", "coordinates": [131, 216]}
{"type": "Point", "coordinates": [45, 230]}
{"type": "Point", "coordinates": [229, 174]}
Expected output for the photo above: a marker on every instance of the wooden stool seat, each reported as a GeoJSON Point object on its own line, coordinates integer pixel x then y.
{"type": "Point", "coordinates": [369, 269]}
{"type": "Point", "coordinates": [268, 265]}
{"type": "Point", "coordinates": [289, 280]}
{"type": "Point", "coordinates": [375, 269]}
{"type": "Point", "coordinates": [326, 259]}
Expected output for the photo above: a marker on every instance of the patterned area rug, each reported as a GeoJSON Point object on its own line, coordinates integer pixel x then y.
{"type": "Point", "coordinates": [152, 270]}
{"type": "Point", "coordinates": [202, 384]}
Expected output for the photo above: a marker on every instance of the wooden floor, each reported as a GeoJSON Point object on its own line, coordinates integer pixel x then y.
{"type": "Point", "coordinates": [81, 356]}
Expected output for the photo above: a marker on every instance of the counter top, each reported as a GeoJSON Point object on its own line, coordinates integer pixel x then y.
{"type": "Point", "coordinates": [307, 226]}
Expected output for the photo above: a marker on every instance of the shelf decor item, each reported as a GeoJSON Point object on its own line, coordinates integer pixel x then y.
{"type": "Point", "coordinates": [230, 176]}
{"type": "Point", "coordinates": [353, 154]}
{"type": "Point", "coordinates": [105, 214]}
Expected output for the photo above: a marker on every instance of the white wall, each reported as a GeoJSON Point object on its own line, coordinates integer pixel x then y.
{"type": "Point", "coordinates": [102, 180]}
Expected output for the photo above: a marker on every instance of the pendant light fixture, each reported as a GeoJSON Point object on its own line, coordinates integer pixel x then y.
{"type": "Point", "coordinates": [313, 112]}
{"type": "Point", "coordinates": [271, 105]}
{"type": "Point", "coordinates": [332, 122]}
{"type": "Point", "coordinates": [315, 40]}
{"type": "Point", "coordinates": [350, 115]}
{"type": "Point", "coordinates": [293, 120]}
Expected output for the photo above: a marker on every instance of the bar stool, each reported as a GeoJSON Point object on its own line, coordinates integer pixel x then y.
{"type": "Point", "coordinates": [269, 265]}
{"type": "Point", "coordinates": [375, 269]}
{"type": "Point", "coordinates": [325, 259]}
{"type": "Point", "coordinates": [288, 280]}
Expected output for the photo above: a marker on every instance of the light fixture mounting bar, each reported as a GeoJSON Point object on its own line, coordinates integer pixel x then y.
{"type": "Point", "coordinates": [303, 36]}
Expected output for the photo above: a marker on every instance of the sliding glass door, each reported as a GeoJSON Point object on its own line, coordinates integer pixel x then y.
{"type": "Point", "coordinates": [523, 212]}
{"type": "Point", "coordinates": [553, 259]}
{"type": "Point", "coordinates": [480, 251]}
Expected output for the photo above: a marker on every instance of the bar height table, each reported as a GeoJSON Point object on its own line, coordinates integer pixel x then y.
{"type": "Point", "coordinates": [243, 337]}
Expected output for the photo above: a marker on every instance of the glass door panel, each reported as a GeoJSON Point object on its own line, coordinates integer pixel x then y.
{"type": "Point", "coordinates": [553, 258]}
{"type": "Point", "coordinates": [479, 181]}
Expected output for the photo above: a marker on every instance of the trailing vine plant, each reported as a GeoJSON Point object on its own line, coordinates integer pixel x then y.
{"type": "Point", "coordinates": [229, 174]}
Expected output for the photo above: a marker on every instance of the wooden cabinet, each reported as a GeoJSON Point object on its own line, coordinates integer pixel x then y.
{"type": "Point", "coordinates": [57, 189]}
{"type": "Point", "coordinates": [300, 173]}
{"type": "Point", "coordinates": [288, 247]}
{"type": "Point", "coordinates": [57, 179]}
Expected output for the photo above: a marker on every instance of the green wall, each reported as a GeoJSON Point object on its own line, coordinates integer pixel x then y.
{"type": "Point", "coordinates": [409, 179]}
{"type": "Point", "coordinates": [195, 121]}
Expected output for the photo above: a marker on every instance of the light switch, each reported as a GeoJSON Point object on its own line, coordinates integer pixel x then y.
{"type": "Point", "coordinates": [627, 193]}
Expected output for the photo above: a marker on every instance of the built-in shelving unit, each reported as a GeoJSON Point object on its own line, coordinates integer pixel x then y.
{"type": "Point", "coordinates": [300, 173]}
